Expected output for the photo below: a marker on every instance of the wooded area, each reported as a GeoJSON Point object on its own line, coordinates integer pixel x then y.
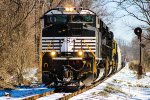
{"type": "Point", "coordinates": [20, 33]}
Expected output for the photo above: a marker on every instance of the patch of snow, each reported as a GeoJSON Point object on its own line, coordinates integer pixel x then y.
{"type": "Point", "coordinates": [29, 74]}
{"type": "Point", "coordinates": [55, 96]}
{"type": "Point", "coordinates": [122, 86]}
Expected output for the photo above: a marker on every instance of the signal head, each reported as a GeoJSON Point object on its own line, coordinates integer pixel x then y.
{"type": "Point", "coordinates": [138, 31]}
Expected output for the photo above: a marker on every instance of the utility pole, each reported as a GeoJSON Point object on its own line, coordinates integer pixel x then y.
{"type": "Point", "coordinates": [138, 32]}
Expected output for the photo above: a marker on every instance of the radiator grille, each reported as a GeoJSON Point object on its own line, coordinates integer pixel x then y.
{"type": "Point", "coordinates": [76, 43]}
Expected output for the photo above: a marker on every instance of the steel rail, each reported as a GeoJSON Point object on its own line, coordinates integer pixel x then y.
{"type": "Point", "coordinates": [39, 95]}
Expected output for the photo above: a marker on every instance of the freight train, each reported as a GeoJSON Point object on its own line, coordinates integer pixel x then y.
{"type": "Point", "coordinates": [77, 47]}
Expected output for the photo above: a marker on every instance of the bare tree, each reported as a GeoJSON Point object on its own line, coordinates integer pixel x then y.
{"type": "Point", "coordinates": [139, 9]}
{"type": "Point", "coordinates": [17, 40]}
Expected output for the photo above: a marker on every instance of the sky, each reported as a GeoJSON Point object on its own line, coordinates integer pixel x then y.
{"type": "Point", "coordinates": [123, 31]}
{"type": "Point", "coordinates": [121, 26]}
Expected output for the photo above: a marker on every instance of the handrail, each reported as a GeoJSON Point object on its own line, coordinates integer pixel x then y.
{"type": "Point", "coordinates": [94, 69]}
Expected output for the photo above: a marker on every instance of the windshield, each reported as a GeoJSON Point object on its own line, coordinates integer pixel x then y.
{"type": "Point", "coordinates": [56, 19]}
{"type": "Point", "coordinates": [82, 18]}
{"type": "Point", "coordinates": [72, 18]}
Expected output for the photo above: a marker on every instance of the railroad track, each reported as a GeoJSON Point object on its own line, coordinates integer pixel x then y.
{"type": "Point", "coordinates": [66, 96]}
{"type": "Point", "coordinates": [39, 95]}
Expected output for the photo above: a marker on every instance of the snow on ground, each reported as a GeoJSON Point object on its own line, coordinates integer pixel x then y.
{"type": "Point", "coordinates": [122, 86]}
{"type": "Point", "coordinates": [29, 74]}
{"type": "Point", "coordinates": [55, 96]}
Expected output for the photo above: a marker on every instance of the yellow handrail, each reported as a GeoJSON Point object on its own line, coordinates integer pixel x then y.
{"type": "Point", "coordinates": [94, 69]}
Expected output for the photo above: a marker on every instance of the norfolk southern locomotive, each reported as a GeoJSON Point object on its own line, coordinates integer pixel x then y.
{"type": "Point", "coordinates": [77, 48]}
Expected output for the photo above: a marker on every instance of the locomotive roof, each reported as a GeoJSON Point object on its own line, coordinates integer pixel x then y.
{"type": "Point", "coordinates": [56, 11]}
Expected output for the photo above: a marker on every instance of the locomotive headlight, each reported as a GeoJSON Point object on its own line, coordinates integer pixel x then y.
{"type": "Point", "coordinates": [53, 53]}
{"type": "Point", "coordinates": [67, 9]}
{"type": "Point", "coordinates": [80, 53]}
{"type": "Point", "coordinates": [71, 9]}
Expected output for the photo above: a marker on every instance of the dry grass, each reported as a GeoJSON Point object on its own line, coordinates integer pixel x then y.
{"type": "Point", "coordinates": [147, 69]}
{"type": "Point", "coordinates": [4, 85]}
{"type": "Point", "coordinates": [103, 93]}
{"type": "Point", "coordinates": [133, 65]}
{"type": "Point", "coordinates": [112, 89]}
{"type": "Point", "coordinates": [143, 86]}
{"type": "Point", "coordinates": [117, 81]}
{"type": "Point", "coordinates": [108, 90]}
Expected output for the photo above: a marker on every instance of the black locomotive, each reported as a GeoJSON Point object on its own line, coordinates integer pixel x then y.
{"type": "Point", "coordinates": [77, 48]}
